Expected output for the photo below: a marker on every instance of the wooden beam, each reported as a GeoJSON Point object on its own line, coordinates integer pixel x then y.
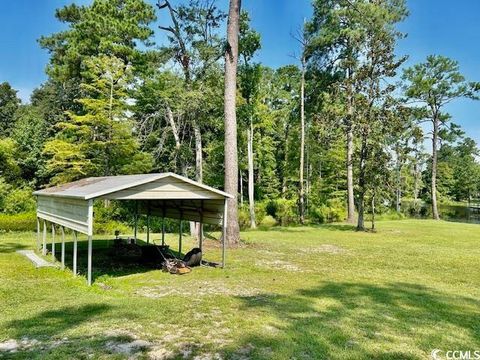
{"type": "Point", "coordinates": [89, 263]}
{"type": "Point", "coordinates": [63, 247]}
{"type": "Point", "coordinates": [74, 253]}
{"type": "Point", "coordinates": [44, 248]}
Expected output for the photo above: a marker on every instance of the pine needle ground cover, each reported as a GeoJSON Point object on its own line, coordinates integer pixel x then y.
{"type": "Point", "coordinates": [304, 293]}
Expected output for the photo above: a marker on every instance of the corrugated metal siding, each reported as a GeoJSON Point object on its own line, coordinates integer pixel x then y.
{"type": "Point", "coordinates": [74, 214]}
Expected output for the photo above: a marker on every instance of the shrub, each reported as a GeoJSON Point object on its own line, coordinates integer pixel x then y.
{"type": "Point", "coordinates": [286, 211]}
{"type": "Point", "coordinates": [18, 222]}
{"type": "Point", "coordinates": [333, 211]}
{"type": "Point", "coordinates": [267, 222]}
{"type": "Point", "coordinates": [260, 211]}
{"type": "Point", "coordinates": [243, 217]}
{"type": "Point", "coordinates": [109, 227]}
{"type": "Point", "coordinates": [19, 201]}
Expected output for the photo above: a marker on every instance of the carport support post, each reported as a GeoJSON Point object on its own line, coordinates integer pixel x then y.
{"type": "Point", "coordinates": [53, 241]}
{"type": "Point", "coordinates": [136, 222]}
{"type": "Point", "coordinates": [224, 231]}
{"type": "Point", "coordinates": [38, 234]}
{"type": "Point", "coordinates": [63, 247]}
{"type": "Point", "coordinates": [163, 225]}
{"type": "Point", "coordinates": [148, 222]}
{"type": "Point", "coordinates": [74, 253]}
{"type": "Point", "coordinates": [89, 264]}
{"type": "Point", "coordinates": [181, 233]}
{"type": "Point", "coordinates": [44, 249]}
{"type": "Point", "coordinates": [200, 227]}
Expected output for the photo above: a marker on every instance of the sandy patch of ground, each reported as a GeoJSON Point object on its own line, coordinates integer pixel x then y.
{"type": "Point", "coordinates": [325, 249]}
{"type": "Point", "coordinates": [127, 348]}
{"type": "Point", "coordinates": [25, 344]}
{"type": "Point", "coordinates": [278, 265]}
{"type": "Point", "coordinates": [203, 288]}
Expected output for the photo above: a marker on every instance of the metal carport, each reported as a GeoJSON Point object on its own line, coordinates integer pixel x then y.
{"type": "Point", "coordinates": [167, 195]}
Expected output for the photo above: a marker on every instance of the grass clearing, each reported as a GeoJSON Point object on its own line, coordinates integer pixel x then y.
{"type": "Point", "coordinates": [304, 293]}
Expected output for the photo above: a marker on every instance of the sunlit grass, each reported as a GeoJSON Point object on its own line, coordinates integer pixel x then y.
{"type": "Point", "coordinates": [325, 292]}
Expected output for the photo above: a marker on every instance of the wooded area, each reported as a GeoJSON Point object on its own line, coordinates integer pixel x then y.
{"type": "Point", "coordinates": [345, 132]}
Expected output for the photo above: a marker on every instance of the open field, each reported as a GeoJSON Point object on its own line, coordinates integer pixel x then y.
{"type": "Point", "coordinates": [304, 293]}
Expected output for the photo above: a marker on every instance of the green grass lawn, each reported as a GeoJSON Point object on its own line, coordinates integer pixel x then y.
{"type": "Point", "coordinates": [304, 293]}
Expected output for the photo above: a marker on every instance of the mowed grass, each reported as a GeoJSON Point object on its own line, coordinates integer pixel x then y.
{"type": "Point", "coordinates": [306, 293]}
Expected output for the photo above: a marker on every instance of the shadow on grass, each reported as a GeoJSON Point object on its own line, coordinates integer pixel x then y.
{"type": "Point", "coordinates": [350, 320]}
{"type": "Point", "coordinates": [104, 260]}
{"type": "Point", "coordinates": [53, 322]}
{"type": "Point", "coordinates": [338, 227]}
{"type": "Point", "coordinates": [299, 229]}
{"type": "Point", "coordinates": [44, 335]}
{"type": "Point", "coordinates": [10, 247]}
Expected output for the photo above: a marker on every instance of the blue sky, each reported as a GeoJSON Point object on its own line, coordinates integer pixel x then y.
{"type": "Point", "coordinates": [450, 28]}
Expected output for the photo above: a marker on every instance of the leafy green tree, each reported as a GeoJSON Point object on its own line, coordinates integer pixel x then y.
{"type": "Point", "coordinates": [109, 27]}
{"type": "Point", "coordinates": [194, 46]}
{"type": "Point", "coordinates": [432, 85]}
{"type": "Point", "coordinates": [9, 103]}
{"type": "Point", "coordinates": [105, 27]}
{"type": "Point", "coordinates": [30, 134]}
{"type": "Point", "coordinates": [98, 142]}
{"type": "Point", "coordinates": [9, 169]}
{"type": "Point", "coordinates": [336, 36]}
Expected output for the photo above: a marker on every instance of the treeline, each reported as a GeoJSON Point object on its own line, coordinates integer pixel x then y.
{"type": "Point", "coordinates": [341, 134]}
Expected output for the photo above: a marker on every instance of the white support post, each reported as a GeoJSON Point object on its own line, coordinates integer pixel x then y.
{"type": "Point", "coordinates": [181, 232]}
{"type": "Point", "coordinates": [163, 225]}
{"type": "Point", "coordinates": [38, 234]}
{"type": "Point", "coordinates": [89, 264]}
{"type": "Point", "coordinates": [148, 222]}
{"type": "Point", "coordinates": [200, 227]}
{"type": "Point", "coordinates": [136, 222]}
{"type": "Point", "coordinates": [44, 248]}
{"type": "Point", "coordinates": [53, 241]}
{"type": "Point", "coordinates": [74, 253]}
{"type": "Point", "coordinates": [224, 231]}
{"type": "Point", "coordinates": [63, 247]}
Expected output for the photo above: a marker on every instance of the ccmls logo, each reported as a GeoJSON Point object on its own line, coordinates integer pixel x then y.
{"type": "Point", "coordinates": [455, 355]}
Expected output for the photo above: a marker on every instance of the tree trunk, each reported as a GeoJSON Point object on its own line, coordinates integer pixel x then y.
{"type": "Point", "coordinates": [198, 152]}
{"type": "Point", "coordinates": [285, 163]}
{"type": "Point", "coordinates": [362, 185]}
{"type": "Point", "coordinates": [302, 143]}
{"type": "Point", "coordinates": [251, 199]}
{"type": "Point", "coordinates": [351, 199]}
{"type": "Point", "coordinates": [241, 187]}
{"type": "Point", "coordinates": [179, 164]}
{"type": "Point", "coordinates": [399, 182]}
{"type": "Point", "coordinates": [349, 132]}
{"type": "Point", "coordinates": [231, 155]}
{"type": "Point", "coordinates": [194, 226]}
{"type": "Point", "coordinates": [434, 169]}
{"type": "Point", "coordinates": [373, 212]}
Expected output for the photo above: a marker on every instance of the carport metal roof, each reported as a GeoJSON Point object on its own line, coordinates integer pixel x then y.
{"type": "Point", "coordinates": [94, 187]}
